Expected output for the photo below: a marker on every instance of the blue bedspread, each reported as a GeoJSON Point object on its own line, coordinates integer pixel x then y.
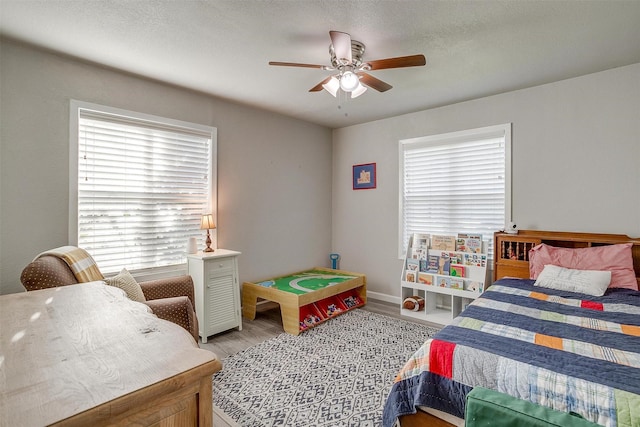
{"type": "Point", "coordinates": [568, 351]}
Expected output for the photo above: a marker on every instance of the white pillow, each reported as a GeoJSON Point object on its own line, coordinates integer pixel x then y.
{"type": "Point", "coordinates": [590, 282]}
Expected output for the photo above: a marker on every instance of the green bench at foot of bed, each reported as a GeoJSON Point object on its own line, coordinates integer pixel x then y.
{"type": "Point", "coordinates": [491, 408]}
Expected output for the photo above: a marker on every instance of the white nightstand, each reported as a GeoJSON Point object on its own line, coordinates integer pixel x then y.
{"type": "Point", "coordinates": [217, 291]}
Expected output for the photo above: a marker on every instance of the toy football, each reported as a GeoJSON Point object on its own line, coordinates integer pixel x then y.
{"type": "Point", "coordinates": [413, 303]}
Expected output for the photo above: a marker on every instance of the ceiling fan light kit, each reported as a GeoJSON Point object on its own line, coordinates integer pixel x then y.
{"type": "Point", "coordinates": [358, 91]}
{"type": "Point", "coordinates": [349, 81]}
{"type": "Point", "coordinates": [352, 77]}
{"type": "Point", "coordinates": [332, 86]}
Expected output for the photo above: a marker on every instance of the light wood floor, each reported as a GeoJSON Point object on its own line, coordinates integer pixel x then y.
{"type": "Point", "coordinates": [268, 324]}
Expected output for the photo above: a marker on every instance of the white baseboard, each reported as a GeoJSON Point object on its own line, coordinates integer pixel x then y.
{"type": "Point", "coordinates": [383, 297]}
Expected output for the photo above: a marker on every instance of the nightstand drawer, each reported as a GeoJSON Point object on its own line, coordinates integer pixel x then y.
{"type": "Point", "coordinates": [219, 264]}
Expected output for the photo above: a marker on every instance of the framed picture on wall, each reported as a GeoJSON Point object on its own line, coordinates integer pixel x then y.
{"type": "Point", "coordinates": [364, 176]}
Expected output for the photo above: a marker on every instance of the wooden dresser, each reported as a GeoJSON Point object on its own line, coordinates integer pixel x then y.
{"type": "Point", "coordinates": [85, 355]}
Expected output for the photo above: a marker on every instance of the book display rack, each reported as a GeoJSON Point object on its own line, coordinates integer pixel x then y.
{"type": "Point", "coordinates": [447, 271]}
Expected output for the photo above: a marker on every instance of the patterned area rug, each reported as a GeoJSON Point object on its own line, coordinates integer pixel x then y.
{"type": "Point", "coordinates": [336, 374]}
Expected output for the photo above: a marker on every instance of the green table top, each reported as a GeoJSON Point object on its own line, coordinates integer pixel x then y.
{"type": "Point", "coordinates": [307, 281]}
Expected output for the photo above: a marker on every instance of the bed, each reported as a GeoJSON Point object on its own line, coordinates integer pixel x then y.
{"type": "Point", "coordinates": [568, 351]}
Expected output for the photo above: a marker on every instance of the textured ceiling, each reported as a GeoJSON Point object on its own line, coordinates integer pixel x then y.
{"type": "Point", "coordinates": [473, 48]}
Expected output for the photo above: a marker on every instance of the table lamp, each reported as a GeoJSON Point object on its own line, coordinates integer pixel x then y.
{"type": "Point", "coordinates": [207, 224]}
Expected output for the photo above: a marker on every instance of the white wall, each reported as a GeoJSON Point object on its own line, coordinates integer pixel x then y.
{"type": "Point", "coordinates": [575, 165]}
{"type": "Point", "coordinates": [274, 172]}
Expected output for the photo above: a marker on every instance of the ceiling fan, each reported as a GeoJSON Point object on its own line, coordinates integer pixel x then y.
{"type": "Point", "coordinates": [352, 76]}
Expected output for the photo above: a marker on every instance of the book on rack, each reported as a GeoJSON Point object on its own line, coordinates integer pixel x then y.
{"type": "Point", "coordinates": [455, 258]}
{"type": "Point", "coordinates": [478, 260]}
{"type": "Point", "coordinates": [444, 263]}
{"type": "Point", "coordinates": [432, 263]}
{"type": "Point", "coordinates": [420, 240]}
{"type": "Point", "coordinates": [413, 264]}
{"type": "Point", "coordinates": [456, 270]}
{"type": "Point", "coordinates": [419, 253]}
{"type": "Point", "coordinates": [456, 282]}
{"type": "Point", "coordinates": [424, 265]}
{"type": "Point", "coordinates": [410, 275]}
{"type": "Point", "coordinates": [474, 286]}
{"type": "Point", "coordinates": [443, 282]}
{"type": "Point", "coordinates": [469, 243]}
{"type": "Point", "coordinates": [425, 278]}
{"type": "Point", "coordinates": [443, 243]}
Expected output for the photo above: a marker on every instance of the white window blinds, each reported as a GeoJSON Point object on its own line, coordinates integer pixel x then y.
{"type": "Point", "coordinates": [455, 183]}
{"type": "Point", "coordinates": [142, 189]}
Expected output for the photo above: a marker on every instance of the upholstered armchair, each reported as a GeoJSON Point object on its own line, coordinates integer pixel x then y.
{"type": "Point", "coordinates": [170, 299]}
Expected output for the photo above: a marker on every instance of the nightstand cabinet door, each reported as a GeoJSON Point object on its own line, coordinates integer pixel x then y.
{"type": "Point", "coordinates": [217, 291]}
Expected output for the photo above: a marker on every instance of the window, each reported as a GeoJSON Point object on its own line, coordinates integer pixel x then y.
{"type": "Point", "coordinates": [456, 182]}
{"type": "Point", "coordinates": [140, 185]}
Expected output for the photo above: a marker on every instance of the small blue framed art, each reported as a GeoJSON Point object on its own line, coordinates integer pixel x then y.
{"type": "Point", "coordinates": [364, 176]}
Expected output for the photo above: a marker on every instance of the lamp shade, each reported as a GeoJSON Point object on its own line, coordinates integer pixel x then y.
{"type": "Point", "coordinates": [358, 91]}
{"type": "Point", "coordinates": [206, 223]}
{"type": "Point", "coordinates": [332, 86]}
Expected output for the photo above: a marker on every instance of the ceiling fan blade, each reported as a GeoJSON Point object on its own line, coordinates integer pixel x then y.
{"type": "Point", "coordinates": [341, 46]}
{"type": "Point", "coordinates": [295, 64]}
{"type": "Point", "coordinates": [374, 83]}
{"type": "Point", "coordinates": [318, 87]}
{"type": "Point", "coordinates": [399, 62]}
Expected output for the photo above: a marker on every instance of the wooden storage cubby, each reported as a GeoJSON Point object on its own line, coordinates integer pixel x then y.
{"type": "Point", "coordinates": [441, 305]}
{"type": "Point", "coordinates": [328, 308]}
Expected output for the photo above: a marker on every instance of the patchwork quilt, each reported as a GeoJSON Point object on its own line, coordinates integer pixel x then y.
{"type": "Point", "coordinates": [568, 351]}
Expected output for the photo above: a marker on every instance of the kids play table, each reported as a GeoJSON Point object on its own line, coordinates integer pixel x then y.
{"type": "Point", "coordinates": [307, 298]}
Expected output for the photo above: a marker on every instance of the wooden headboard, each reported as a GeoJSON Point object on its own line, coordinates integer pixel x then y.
{"type": "Point", "coordinates": [511, 251]}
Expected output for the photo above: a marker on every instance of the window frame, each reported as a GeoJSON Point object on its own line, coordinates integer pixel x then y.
{"type": "Point", "coordinates": [76, 107]}
{"type": "Point", "coordinates": [451, 138]}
